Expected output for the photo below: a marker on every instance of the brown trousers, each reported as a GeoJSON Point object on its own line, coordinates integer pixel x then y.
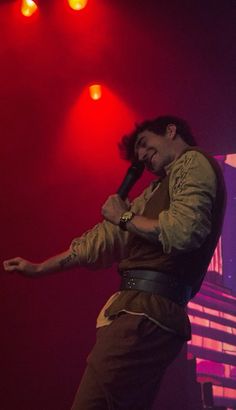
{"type": "Point", "coordinates": [126, 365]}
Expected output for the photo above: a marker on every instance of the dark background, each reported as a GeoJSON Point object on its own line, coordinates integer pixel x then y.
{"type": "Point", "coordinates": [59, 159]}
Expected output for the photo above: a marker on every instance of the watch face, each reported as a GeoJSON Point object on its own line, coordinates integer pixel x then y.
{"type": "Point", "coordinates": [127, 216]}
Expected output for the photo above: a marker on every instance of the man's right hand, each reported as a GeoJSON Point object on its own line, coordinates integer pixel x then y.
{"type": "Point", "coordinates": [22, 266]}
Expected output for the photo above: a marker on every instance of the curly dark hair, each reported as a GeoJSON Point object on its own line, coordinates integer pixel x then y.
{"type": "Point", "coordinates": [158, 126]}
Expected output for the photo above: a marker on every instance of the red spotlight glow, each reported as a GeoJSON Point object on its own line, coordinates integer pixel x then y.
{"type": "Point", "coordinates": [28, 8]}
{"type": "Point", "coordinates": [95, 91]}
{"type": "Point", "coordinates": [91, 133]}
{"type": "Point", "coordinates": [77, 4]}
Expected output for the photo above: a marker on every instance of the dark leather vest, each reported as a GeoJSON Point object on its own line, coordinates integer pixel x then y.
{"type": "Point", "coordinates": [189, 266]}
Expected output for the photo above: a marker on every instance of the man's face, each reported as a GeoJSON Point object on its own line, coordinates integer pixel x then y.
{"type": "Point", "coordinates": [156, 151]}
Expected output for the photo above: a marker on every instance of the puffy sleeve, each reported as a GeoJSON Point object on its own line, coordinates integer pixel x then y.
{"type": "Point", "coordinates": [192, 188]}
{"type": "Point", "coordinates": [105, 243]}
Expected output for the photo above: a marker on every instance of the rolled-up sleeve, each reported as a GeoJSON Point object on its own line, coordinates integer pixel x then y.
{"type": "Point", "coordinates": [101, 246]}
{"type": "Point", "coordinates": [192, 188]}
{"type": "Point", "coordinates": [105, 243]}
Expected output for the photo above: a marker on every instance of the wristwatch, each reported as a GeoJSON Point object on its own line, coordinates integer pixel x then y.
{"type": "Point", "coordinates": [125, 217]}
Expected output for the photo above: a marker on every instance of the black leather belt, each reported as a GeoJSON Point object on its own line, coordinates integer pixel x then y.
{"type": "Point", "coordinates": [163, 284]}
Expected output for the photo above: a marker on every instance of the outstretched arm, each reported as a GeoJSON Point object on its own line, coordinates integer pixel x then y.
{"type": "Point", "coordinates": [64, 260]}
{"type": "Point", "coordinates": [99, 247]}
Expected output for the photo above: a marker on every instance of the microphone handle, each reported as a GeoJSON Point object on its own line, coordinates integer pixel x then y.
{"type": "Point", "coordinates": [126, 186]}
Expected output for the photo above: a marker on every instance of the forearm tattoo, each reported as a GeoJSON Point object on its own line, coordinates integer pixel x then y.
{"type": "Point", "coordinates": [69, 260]}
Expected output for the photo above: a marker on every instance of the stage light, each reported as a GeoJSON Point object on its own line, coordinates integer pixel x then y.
{"type": "Point", "coordinates": [77, 4]}
{"type": "Point", "coordinates": [95, 91]}
{"type": "Point", "coordinates": [28, 7]}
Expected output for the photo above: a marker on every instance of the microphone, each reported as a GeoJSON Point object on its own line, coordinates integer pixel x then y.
{"type": "Point", "coordinates": [133, 174]}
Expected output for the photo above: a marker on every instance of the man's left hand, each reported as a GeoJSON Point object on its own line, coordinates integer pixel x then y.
{"type": "Point", "coordinates": [113, 208]}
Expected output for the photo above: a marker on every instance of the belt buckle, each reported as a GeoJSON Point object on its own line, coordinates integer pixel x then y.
{"type": "Point", "coordinates": [131, 283]}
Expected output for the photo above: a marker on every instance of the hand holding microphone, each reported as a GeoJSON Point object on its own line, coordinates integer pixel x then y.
{"type": "Point", "coordinates": [116, 206]}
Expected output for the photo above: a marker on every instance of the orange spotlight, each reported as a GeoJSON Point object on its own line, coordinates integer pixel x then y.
{"type": "Point", "coordinates": [77, 4]}
{"type": "Point", "coordinates": [95, 91]}
{"type": "Point", "coordinates": [28, 7]}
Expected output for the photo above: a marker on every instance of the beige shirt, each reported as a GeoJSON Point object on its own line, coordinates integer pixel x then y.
{"type": "Point", "coordinates": [184, 226]}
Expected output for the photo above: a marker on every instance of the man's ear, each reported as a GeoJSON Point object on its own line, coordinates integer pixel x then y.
{"type": "Point", "coordinates": [171, 131]}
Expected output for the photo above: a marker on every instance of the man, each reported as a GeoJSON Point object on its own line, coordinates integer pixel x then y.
{"type": "Point", "coordinates": [163, 242]}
